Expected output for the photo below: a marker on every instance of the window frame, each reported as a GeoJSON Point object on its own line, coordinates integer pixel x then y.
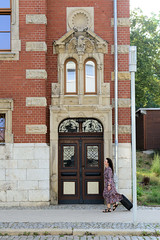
{"type": "Point", "coordinates": [87, 60]}
{"type": "Point", "coordinates": [7, 11]}
{"type": "Point", "coordinates": [6, 108]}
{"type": "Point", "coordinates": [65, 77]}
{"type": "Point", "coordinates": [3, 142]}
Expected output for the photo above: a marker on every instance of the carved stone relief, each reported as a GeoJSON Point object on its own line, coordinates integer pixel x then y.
{"type": "Point", "coordinates": [80, 18]}
{"type": "Point", "coordinates": [80, 43]}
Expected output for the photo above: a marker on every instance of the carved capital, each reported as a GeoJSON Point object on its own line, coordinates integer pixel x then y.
{"type": "Point", "coordinates": [106, 89]}
{"type": "Point", "coordinates": [55, 89]}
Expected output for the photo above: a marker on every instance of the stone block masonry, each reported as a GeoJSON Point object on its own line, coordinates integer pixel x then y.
{"type": "Point", "coordinates": [24, 174]}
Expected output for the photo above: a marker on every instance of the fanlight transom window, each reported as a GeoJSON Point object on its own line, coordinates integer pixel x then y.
{"type": "Point", "coordinates": [80, 125]}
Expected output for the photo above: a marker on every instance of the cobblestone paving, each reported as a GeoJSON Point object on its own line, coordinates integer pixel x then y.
{"type": "Point", "coordinates": [78, 225]}
{"type": "Point", "coordinates": [84, 237]}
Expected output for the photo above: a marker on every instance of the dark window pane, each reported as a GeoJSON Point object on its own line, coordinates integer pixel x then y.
{"type": "Point", "coordinates": [5, 41]}
{"type": "Point", "coordinates": [68, 156]}
{"type": "Point", "coordinates": [92, 156]}
{"type": "Point", "coordinates": [5, 4]}
{"type": "Point", "coordinates": [5, 24]}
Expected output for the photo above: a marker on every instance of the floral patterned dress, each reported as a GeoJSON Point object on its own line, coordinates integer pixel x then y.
{"type": "Point", "coordinates": [111, 196]}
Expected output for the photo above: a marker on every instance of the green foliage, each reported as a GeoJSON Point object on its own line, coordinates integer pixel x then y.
{"type": "Point", "coordinates": [149, 194]}
{"type": "Point", "coordinates": [145, 34]}
{"type": "Point", "coordinates": [139, 191]}
{"type": "Point", "coordinates": [156, 165]}
{"type": "Point", "coordinates": [154, 195]}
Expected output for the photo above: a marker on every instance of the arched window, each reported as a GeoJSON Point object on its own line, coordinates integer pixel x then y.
{"type": "Point", "coordinates": [70, 77]}
{"type": "Point", "coordinates": [90, 79]}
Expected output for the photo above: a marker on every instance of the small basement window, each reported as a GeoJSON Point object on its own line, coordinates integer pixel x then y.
{"type": "Point", "coordinates": [2, 128]}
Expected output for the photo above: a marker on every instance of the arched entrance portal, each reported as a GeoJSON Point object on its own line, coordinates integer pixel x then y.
{"type": "Point", "coordinates": [80, 161]}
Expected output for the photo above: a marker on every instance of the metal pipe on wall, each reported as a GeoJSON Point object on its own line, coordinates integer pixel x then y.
{"type": "Point", "coordinates": [116, 91]}
{"type": "Point", "coordinates": [133, 69]}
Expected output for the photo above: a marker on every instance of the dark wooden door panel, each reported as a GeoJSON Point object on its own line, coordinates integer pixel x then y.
{"type": "Point", "coordinates": [80, 170]}
{"type": "Point", "coordinates": [68, 174]}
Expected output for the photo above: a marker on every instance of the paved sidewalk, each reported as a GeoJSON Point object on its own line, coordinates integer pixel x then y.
{"type": "Point", "coordinates": [78, 220]}
{"type": "Point", "coordinates": [66, 237]}
{"type": "Point", "coordinates": [48, 237]}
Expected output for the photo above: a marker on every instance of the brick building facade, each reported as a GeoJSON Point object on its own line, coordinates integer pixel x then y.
{"type": "Point", "coordinates": [57, 100]}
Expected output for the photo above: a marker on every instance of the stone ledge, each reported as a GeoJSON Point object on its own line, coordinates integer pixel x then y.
{"type": "Point", "coordinates": [36, 74]}
{"type": "Point", "coordinates": [123, 129]}
{"type": "Point", "coordinates": [7, 55]}
{"type": "Point", "coordinates": [36, 129]}
{"type": "Point", "coordinates": [36, 46]}
{"type": "Point", "coordinates": [6, 104]}
{"type": "Point", "coordinates": [36, 102]}
{"type": "Point", "coordinates": [36, 19]}
{"type": "Point", "coordinates": [122, 49]}
{"type": "Point", "coordinates": [121, 22]}
{"type": "Point", "coordinates": [121, 76]}
{"type": "Point", "coordinates": [122, 102]}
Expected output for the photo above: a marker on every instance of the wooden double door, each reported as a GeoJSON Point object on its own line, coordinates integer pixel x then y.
{"type": "Point", "coordinates": [80, 168]}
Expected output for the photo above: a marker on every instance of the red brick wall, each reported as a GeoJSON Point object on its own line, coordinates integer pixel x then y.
{"type": "Point", "coordinates": [13, 82]}
{"type": "Point", "coordinates": [13, 73]}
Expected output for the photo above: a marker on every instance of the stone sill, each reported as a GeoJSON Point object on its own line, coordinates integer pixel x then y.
{"type": "Point", "coordinates": [7, 55]}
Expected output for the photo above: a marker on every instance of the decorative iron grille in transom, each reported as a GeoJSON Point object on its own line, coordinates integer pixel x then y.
{"type": "Point", "coordinates": [2, 127]}
{"type": "Point", "coordinates": [91, 125]}
{"type": "Point", "coordinates": [80, 125]}
{"type": "Point", "coordinates": [69, 125]}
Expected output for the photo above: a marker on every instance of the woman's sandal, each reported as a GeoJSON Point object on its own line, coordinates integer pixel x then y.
{"type": "Point", "coordinates": [107, 210]}
{"type": "Point", "coordinates": [115, 206]}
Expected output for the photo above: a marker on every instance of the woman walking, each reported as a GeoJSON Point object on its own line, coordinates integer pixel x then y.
{"type": "Point", "coordinates": [110, 194]}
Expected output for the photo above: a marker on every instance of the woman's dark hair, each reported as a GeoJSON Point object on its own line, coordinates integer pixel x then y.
{"type": "Point", "coordinates": [110, 164]}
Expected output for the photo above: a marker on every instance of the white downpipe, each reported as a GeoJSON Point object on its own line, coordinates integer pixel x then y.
{"type": "Point", "coordinates": [116, 91]}
{"type": "Point", "coordinates": [133, 69]}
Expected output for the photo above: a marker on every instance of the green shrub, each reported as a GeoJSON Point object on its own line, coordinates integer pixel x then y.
{"type": "Point", "coordinates": [154, 180]}
{"type": "Point", "coordinates": [156, 165]}
{"type": "Point", "coordinates": [154, 197]}
{"type": "Point", "coordinates": [139, 191]}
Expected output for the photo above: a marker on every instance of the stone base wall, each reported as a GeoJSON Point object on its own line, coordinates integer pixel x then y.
{"type": "Point", "coordinates": [24, 174]}
{"type": "Point", "coordinates": [125, 169]}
